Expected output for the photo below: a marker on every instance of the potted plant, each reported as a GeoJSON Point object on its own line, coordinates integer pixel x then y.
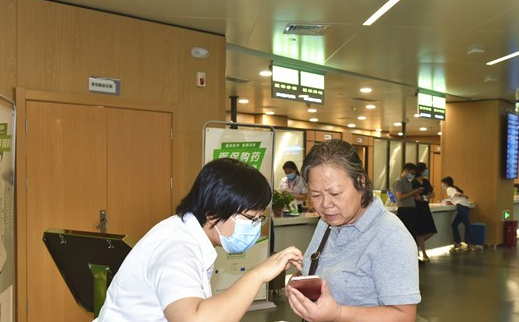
{"type": "Point", "coordinates": [281, 200]}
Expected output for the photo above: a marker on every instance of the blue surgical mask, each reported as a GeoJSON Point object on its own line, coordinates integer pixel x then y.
{"type": "Point", "coordinates": [291, 176]}
{"type": "Point", "coordinates": [444, 186]}
{"type": "Point", "coordinates": [425, 173]}
{"type": "Point", "coordinates": [243, 238]}
{"type": "Point", "coordinates": [410, 176]}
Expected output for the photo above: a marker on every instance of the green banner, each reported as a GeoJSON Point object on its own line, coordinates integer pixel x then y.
{"type": "Point", "coordinates": [248, 152]}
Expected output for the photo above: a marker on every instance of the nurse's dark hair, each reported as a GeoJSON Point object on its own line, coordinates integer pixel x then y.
{"type": "Point", "coordinates": [225, 187]}
{"type": "Point", "coordinates": [450, 182]}
{"type": "Point", "coordinates": [343, 155]}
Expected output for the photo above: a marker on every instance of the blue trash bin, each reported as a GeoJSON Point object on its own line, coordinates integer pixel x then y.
{"type": "Point", "coordinates": [480, 233]}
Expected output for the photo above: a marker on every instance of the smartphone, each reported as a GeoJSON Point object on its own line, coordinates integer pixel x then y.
{"type": "Point", "coordinates": [309, 285]}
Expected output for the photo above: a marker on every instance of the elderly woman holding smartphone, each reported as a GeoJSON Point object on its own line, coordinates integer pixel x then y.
{"type": "Point", "coordinates": [367, 261]}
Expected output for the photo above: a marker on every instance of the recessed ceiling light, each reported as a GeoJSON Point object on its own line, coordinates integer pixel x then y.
{"type": "Point", "coordinates": [397, 124]}
{"type": "Point", "coordinates": [270, 113]}
{"type": "Point", "coordinates": [370, 106]}
{"type": "Point", "coordinates": [378, 130]}
{"type": "Point", "coordinates": [243, 101]}
{"type": "Point", "coordinates": [313, 119]}
{"type": "Point", "coordinates": [423, 129]}
{"type": "Point", "coordinates": [351, 125]}
{"type": "Point", "coordinates": [400, 133]}
{"type": "Point", "coordinates": [417, 115]}
{"type": "Point", "coordinates": [366, 90]}
{"type": "Point", "coordinates": [312, 110]}
{"type": "Point", "coordinates": [362, 118]}
{"type": "Point", "coordinates": [439, 133]}
{"type": "Point", "coordinates": [265, 73]}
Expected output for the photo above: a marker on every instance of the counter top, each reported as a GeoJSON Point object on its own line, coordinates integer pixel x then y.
{"type": "Point", "coordinates": [304, 218]}
{"type": "Point", "coordinates": [313, 217]}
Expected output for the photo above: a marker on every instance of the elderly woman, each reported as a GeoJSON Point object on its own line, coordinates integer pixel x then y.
{"type": "Point", "coordinates": [368, 260]}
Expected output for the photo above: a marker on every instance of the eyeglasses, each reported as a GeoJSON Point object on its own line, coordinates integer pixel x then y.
{"type": "Point", "coordinates": [260, 220]}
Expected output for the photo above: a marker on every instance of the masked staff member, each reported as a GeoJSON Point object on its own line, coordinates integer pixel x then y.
{"type": "Point", "coordinates": [294, 184]}
{"type": "Point", "coordinates": [166, 276]}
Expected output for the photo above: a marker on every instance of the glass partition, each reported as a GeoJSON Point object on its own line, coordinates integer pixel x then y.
{"type": "Point", "coordinates": [380, 158]}
{"type": "Point", "coordinates": [395, 161]}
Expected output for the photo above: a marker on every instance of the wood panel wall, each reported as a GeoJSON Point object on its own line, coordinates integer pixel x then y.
{"type": "Point", "coordinates": [472, 156]}
{"type": "Point", "coordinates": [60, 46]}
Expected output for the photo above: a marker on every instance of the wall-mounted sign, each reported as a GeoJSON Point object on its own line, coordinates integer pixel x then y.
{"type": "Point", "coordinates": [295, 84]}
{"type": "Point", "coordinates": [431, 105]}
{"type": "Point", "coordinates": [104, 85]}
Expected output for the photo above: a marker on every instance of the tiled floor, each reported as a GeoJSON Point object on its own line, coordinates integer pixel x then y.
{"type": "Point", "coordinates": [475, 286]}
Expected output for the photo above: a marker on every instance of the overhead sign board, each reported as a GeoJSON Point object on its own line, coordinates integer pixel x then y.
{"type": "Point", "coordinates": [431, 105]}
{"type": "Point", "coordinates": [296, 84]}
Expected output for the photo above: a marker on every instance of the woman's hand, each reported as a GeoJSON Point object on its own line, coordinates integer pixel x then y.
{"type": "Point", "coordinates": [324, 309]}
{"type": "Point", "coordinates": [278, 262]}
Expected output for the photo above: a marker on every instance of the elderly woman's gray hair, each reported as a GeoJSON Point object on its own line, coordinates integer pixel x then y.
{"type": "Point", "coordinates": [340, 154]}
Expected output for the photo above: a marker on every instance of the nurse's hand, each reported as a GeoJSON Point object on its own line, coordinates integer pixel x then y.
{"type": "Point", "coordinates": [278, 262]}
{"type": "Point", "coordinates": [324, 309]}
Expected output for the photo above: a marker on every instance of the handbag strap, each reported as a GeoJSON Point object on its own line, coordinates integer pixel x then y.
{"type": "Point", "coordinates": [315, 256]}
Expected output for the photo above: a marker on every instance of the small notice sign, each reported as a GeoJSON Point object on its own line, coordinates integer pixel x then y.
{"type": "Point", "coordinates": [104, 85]}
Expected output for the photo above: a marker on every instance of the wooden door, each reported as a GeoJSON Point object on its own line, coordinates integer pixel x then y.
{"type": "Point", "coordinates": [81, 160]}
{"type": "Point", "coordinates": [66, 188]}
{"type": "Point", "coordinates": [139, 170]}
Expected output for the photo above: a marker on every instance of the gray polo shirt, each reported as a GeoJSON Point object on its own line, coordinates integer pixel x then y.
{"type": "Point", "coordinates": [405, 186]}
{"type": "Point", "coordinates": [369, 263]}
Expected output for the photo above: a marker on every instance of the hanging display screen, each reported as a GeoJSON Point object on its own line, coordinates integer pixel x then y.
{"type": "Point", "coordinates": [512, 145]}
{"type": "Point", "coordinates": [298, 85]}
{"type": "Point", "coordinates": [431, 106]}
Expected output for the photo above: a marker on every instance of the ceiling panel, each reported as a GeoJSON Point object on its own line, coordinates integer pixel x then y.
{"type": "Point", "coordinates": [416, 44]}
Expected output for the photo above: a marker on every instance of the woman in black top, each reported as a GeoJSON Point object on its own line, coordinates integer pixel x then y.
{"type": "Point", "coordinates": [425, 227]}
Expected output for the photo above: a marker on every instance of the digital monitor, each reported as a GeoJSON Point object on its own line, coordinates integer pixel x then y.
{"type": "Point", "coordinates": [431, 105]}
{"type": "Point", "coordinates": [512, 145]}
{"type": "Point", "coordinates": [295, 84]}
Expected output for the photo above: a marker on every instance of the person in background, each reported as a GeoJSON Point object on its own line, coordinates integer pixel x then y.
{"type": "Point", "coordinates": [458, 198]}
{"type": "Point", "coordinates": [166, 276]}
{"type": "Point", "coordinates": [425, 227]}
{"type": "Point", "coordinates": [368, 263]}
{"type": "Point", "coordinates": [294, 184]}
{"type": "Point", "coordinates": [405, 197]}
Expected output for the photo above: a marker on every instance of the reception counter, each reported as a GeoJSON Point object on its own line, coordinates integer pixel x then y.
{"type": "Point", "coordinates": [298, 230]}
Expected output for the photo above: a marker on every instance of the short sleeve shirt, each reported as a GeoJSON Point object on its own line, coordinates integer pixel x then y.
{"type": "Point", "coordinates": [403, 185]}
{"type": "Point", "coordinates": [173, 260]}
{"type": "Point", "coordinates": [369, 263]}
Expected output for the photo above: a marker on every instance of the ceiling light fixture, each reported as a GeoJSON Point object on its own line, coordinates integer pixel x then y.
{"type": "Point", "coordinates": [388, 5]}
{"type": "Point", "coordinates": [269, 113]}
{"type": "Point", "coordinates": [243, 101]}
{"type": "Point", "coordinates": [312, 110]}
{"type": "Point", "coordinates": [439, 133]}
{"type": "Point", "coordinates": [397, 124]}
{"type": "Point", "coordinates": [476, 50]}
{"type": "Point", "coordinates": [351, 125]}
{"type": "Point", "coordinates": [378, 130]}
{"type": "Point", "coordinates": [400, 133]}
{"type": "Point", "coordinates": [503, 58]}
{"type": "Point", "coordinates": [362, 118]}
{"type": "Point", "coordinates": [365, 90]}
{"type": "Point", "coordinates": [423, 129]}
{"type": "Point", "coordinates": [313, 119]}
{"type": "Point", "coordinates": [265, 73]}
{"type": "Point", "coordinates": [370, 106]}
